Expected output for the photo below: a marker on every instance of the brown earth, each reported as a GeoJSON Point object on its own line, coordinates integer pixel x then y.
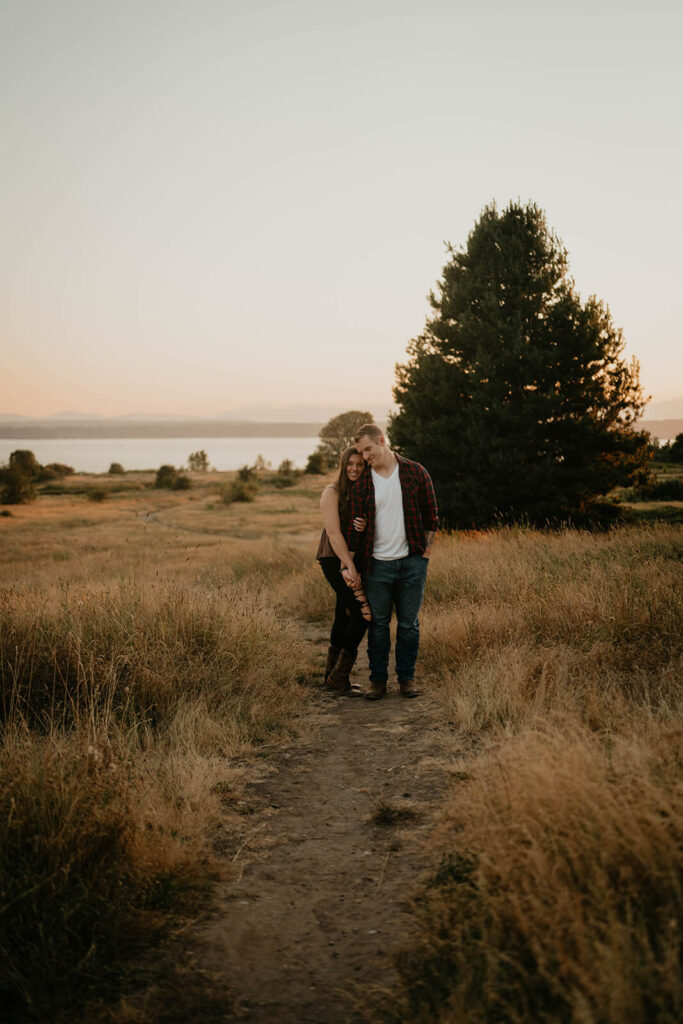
{"type": "Point", "coordinates": [320, 902]}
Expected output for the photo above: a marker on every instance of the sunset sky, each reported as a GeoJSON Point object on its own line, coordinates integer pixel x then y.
{"type": "Point", "coordinates": [207, 205]}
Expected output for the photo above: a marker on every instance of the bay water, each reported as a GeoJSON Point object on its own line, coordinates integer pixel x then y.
{"type": "Point", "coordinates": [95, 455]}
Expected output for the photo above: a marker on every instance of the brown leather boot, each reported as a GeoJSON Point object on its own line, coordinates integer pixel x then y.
{"type": "Point", "coordinates": [376, 691]}
{"type": "Point", "coordinates": [332, 656]}
{"type": "Point", "coordinates": [408, 688]}
{"type": "Point", "coordinates": [338, 678]}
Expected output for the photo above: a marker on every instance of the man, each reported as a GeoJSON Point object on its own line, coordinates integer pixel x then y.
{"type": "Point", "coordinates": [397, 496]}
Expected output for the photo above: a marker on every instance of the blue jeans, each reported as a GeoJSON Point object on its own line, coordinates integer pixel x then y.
{"type": "Point", "coordinates": [399, 583]}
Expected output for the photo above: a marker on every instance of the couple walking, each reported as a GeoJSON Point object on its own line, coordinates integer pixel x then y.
{"type": "Point", "coordinates": [380, 520]}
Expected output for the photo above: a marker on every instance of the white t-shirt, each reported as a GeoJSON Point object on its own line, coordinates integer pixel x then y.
{"type": "Point", "coordinates": [390, 529]}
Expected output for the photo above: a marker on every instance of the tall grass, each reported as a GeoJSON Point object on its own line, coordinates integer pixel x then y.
{"type": "Point", "coordinates": [520, 625]}
{"type": "Point", "coordinates": [556, 893]}
{"type": "Point", "coordinates": [120, 705]}
{"type": "Point", "coordinates": [139, 658]}
{"type": "Point", "coordinates": [558, 896]}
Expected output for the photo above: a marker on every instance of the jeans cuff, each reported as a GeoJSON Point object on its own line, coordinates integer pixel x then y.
{"type": "Point", "coordinates": [376, 678]}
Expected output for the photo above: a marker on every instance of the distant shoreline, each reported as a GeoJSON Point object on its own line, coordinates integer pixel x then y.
{"type": "Point", "coordinates": [94, 429]}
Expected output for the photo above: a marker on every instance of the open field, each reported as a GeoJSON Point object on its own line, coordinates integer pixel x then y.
{"type": "Point", "coordinates": [156, 654]}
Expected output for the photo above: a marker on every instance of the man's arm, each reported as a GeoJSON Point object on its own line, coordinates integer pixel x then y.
{"type": "Point", "coordinates": [429, 540]}
{"type": "Point", "coordinates": [430, 514]}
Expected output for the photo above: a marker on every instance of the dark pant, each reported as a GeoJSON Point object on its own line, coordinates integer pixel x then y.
{"type": "Point", "coordinates": [400, 583]}
{"type": "Point", "coordinates": [349, 626]}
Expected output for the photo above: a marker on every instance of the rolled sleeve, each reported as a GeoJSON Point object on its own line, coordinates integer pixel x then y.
{"type": "Point", "coordinates": [419, 504]}
{"type": "Point", "coordinates": [428, 507]}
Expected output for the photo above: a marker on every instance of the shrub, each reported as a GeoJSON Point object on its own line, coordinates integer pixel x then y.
{"type": "Point", "coordinates": [46, 474]}
{"type": "Point", "coordinates": [116, 469]}
{"type": "Point", "coordinates": [246, 473]}
{"type": "Point", "coordinates": [283, 481]}
{"type": "Point", "coordinates": [666, 490]}
{"type": "Point", "coordinates": [182, 483]}
{"type": "Point", "coordinates": [54, 471]}
{"type": "Point", "coordinates": [166, 476]}
{"type": "Point", "coordinates": [317, 463]}
{"type": "Point", "coordinates": [25, 461]}
{"type": "Point", "coordinates": [97, 494]}
{"type": "Point", "coordinates": [16, 488]}
{"type": "Point", "coordinates": [238, 490]}
{"type": "Point", "coordinates": [653, 489]}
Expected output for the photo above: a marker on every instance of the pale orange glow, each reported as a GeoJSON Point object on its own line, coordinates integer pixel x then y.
{"type": "Point", "coordinates": [227, 205]}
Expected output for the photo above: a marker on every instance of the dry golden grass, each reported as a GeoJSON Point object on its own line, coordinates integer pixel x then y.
{"type": "Point", "coordinates": [559, 893]}
{"type": "Point", "coordinates": [122, 709]}
{"type": "Point", "coordinates": [152, 534]}
{"type": "Point", "coordinates": [521, 625]}
{"type": "Point", "coordinates": [141, 655]}
{"type": "Point", "coordinates": [149, 642]}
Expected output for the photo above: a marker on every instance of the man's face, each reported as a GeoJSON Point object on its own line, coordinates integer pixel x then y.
{"type": "Point", "coordinates": [371, 450]}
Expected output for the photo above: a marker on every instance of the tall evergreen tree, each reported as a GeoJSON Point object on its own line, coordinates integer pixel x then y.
{"type": "Point", "coordinates": [516, 395]}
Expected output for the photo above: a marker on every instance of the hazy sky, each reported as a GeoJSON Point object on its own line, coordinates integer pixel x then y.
{"type": "Point", "coordinates": [206, 204]}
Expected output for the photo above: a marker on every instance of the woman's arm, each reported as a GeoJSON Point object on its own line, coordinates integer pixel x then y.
{"type": "Point", "coordinates": [329, 504]}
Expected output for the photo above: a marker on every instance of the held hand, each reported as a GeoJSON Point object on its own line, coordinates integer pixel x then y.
{"type": "Point", "coordinates": [360, 523]}
{"type": "Point", "coordinates": [350, 577]}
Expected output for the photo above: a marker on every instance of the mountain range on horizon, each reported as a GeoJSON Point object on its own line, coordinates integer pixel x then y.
{"type": "Point", "coordinates": [294, 412]}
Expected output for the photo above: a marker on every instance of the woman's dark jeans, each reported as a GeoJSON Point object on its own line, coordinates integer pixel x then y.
{"type": "Point", "coordinates": [349, 626]}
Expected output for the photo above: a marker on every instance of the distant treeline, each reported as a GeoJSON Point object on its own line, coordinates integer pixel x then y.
{"type": "Point", "coordinates": [88, 429]}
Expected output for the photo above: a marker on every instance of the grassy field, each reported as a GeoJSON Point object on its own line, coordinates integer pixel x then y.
{"type": "Point", "coordinates": [558, 894]}
{"type": "Point", "coordinates": [143, 653]}
{"type": "Point", "coordinates": [152, 641]}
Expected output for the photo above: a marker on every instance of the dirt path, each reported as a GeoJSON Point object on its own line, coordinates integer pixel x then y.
{"type": "Point", "coordinates": [320, 902]}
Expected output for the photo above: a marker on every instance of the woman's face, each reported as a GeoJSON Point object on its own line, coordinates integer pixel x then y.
{"type": "Point", "coordinates": [354, 467]}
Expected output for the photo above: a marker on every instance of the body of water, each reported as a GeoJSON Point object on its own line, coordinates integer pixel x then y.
{"type": "Point", "coordinates": [95, 455]}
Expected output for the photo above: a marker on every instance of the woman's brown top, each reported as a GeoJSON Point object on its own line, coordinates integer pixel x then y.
{"type": "Point", "coordinates": [325, 549]}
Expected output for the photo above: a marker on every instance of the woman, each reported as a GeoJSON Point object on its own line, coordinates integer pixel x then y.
{"type": "Point", "coordinates": [352, 611]}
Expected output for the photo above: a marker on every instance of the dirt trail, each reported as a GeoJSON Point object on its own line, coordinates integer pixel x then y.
{"type": "Point", "coordinates": [320, 904]}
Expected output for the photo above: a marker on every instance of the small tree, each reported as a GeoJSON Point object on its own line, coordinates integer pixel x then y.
{"type": "Point", "coordinates": [116, 469]}
{"type": "Point", "coordinates": [26, 461]}
{"type": "Point", "coordinates": [317, 463]}
{"type": "Point", "coordinates": [246, 473]}
{"type": "Point", "coordinates": [16, 488]}
{"type": "Point", "coordinates": [516, 396]}
{"type": "Point", "coordinates": [337, 434]}
{"type": "Point", "coordinates": [167, 476]}
{"type": "Point", "coordinates": [198, 461]}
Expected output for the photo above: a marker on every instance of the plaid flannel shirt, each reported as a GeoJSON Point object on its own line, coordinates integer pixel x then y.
{"type": "Point", "coordinates": [420, 513]}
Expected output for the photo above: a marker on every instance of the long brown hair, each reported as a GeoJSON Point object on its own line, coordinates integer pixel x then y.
{"type": "Point", "coordinates": [343, 483]}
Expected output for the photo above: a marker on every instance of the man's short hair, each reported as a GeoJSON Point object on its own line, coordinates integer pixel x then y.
{"type": "Point", "coordinates": [368, 430]}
